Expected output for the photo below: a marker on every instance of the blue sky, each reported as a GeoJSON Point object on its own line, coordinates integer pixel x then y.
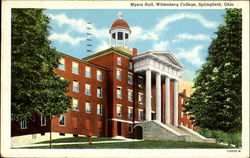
{"type": "Point", "coordinates": [186, 33]}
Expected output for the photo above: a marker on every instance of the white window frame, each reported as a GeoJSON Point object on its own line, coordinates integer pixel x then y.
{"type": "Point", "coordinates": [76, 85]}
{"type": "Point", "coordinates": [140, 117]}
{"type": "Point", "coordinates": [75, 102]}
{"type": "Point", "coordinates": [117, 96]}
{"type": "Point", "coordinates": [130, 115]}
{"type": "Point", "coordinates": [130, 74]}
{"type": "Point", "coordinates": [120, 106]}
{"type": "Point", "coordinates": [98, 75]}
{"type": "Point", "coordinates": [24, 124]}
{"type": "Point", "coordinates": [118, 78]}
{"type": "Point", "coordinates": [62, 64]}
{"type": "Point", "coordinates": [100, 92]}
{"type": "Point", "coordinates": [86, 107]}
{"type": "Point", "coordinates": [87, 72]}
{"type": "Point", "coordinates": [130, 92]}
{"type": "Point", "coordinates": [99, 110]}
{"type": "Point", "coordinates": [64, 120]}
{"type": "Point", "coordinates": [87, 91]}
{"type": "Point", "coordinates": [130, 65]}
{"type": "Point", "coordinates": [140, 77]}
{"type": "Point", "coordinates": [140, 94]}
{"type": "Point", "coordinates": [75, 68]}
{"type": "Point", "coordinates": [43, 121]}
{"type": "Point", "coordinates": [119, 61]}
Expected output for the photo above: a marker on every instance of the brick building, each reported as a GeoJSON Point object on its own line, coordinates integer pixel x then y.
{"type": "Point", "coordinates": [114, 90]}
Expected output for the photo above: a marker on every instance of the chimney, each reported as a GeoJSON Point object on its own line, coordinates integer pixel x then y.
{"type": "Point", "coordinates": [134, 52]}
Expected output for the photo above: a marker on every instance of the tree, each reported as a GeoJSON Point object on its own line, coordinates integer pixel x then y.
{"type": "Point", "coordinates": [35, 87]}
{"type": "Point", "coordinates": [217, 100]}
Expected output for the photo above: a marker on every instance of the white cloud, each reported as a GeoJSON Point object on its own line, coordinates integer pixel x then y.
{"type": "Point", "coordinates": [192, 56]}
{"type": "Point", "coordinates": [66, 38]}
{"type": "Point", "coordinates": [169, 19]}
{"type": "Point", "coordinates": [162, 45]}
{"type": "Point", "coordinates": [78, 25]}
{"type": "Point", "coordinates": [104, 45]}
{"type": "Point", "coordinates": [138, 33]}
{"type": "Point", "coordinates": [197, 37]}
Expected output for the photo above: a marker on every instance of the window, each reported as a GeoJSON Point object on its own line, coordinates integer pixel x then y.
{"type": "Point", "coordinates": [130, 128]}
{"type": "Point", "coordinates": [119, 92]}
{"type": "Point", "coordinates": [182, 114]}
{"type": "Point", "coordinates": [119, 110]}
{"type": "Point", "coordinates": [62, 120]}
{"type": "Point", "coordinates": [99, 109]}
{"type": "Point", "coordinates": [99, 75]}
{"type": "Point", "coordinates": [119, 61]}
{"type": "Point", "coordinates": [75, 104]}
{"type": "Point", "coordinates": [130, 112]}
{"type": "Point", "coordinates": [130, 95]}
{"type": "Point", "coordinates": [43, 121]}
{"type": "Point", "coordinates": [118, 74]}
{"type": "Point", "coordinates": [62, 64]}
{"type": "Point", "coordinates": [74, 68]}
{"type": "Point", "coordinates": [130, 78]}
{"type": "Point", "coordinates": [24, 124]}
{"type": "Point", "coordinates": [140, 81]}
{"type": "Point", "coordinates": [87, 89]}
{"type": "Point", "coordinates": [140, 115]}
{"type": "Point", "coordinates": [140, 98]}
{"type": "Point", "coordinates": [87, 107]}
{"type": "Point", "coordinates": [99, 92]}
{"type": "Point", "coordinates": [130, 65]}
{"type": "Point", "coordinates": [87, 72]}
{"type": "Point", "coordinates": [75, 86]}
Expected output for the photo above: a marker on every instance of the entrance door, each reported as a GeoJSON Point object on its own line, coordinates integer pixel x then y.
{"type": "Point", "coordinates": [119, 128]}
{"type": "Point", "coordinates": [138, 132]}
{"type": "Point", "coordinates": [152, 116]}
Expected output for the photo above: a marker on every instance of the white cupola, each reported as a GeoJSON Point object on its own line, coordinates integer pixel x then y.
{"type": "Point", "coordinates": [119, 33]}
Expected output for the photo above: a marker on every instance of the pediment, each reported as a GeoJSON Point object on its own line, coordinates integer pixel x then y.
{"type": "Point", "coordinates": [169, 57]}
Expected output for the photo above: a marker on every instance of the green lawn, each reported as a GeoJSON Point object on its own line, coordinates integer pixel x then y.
{"type": "Point", "coordinates": [78, 139]}
{"type": "Point", "coordinates": [141, 144]}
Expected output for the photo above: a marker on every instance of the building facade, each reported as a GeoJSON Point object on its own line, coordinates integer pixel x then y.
{"type": "Point", "coordinates": [115, 89]}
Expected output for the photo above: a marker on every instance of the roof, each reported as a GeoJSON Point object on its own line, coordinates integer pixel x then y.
{"type": "Point", "coordinates": [83, 61]}
{"type": "Point", "coordinates": [120, 23]}
{"type": "Point", "coordinates": [119, 50]}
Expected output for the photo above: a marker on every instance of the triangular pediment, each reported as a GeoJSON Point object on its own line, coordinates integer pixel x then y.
{"type": "Point", "coordinates": [169, 57]}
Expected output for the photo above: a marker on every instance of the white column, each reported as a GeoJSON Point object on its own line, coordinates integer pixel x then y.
{"type": "Point", "coordinates": [167, 100]}
{"type": "Point", "coordinates": [110, 39]}
{"type": "Point", "coordinates": [148, 95]}
{"type": "Point", "coordinates": [123, 34]}
{"type": "Point", "coordinates": [176, 103]}
{"type": "Point", "coordinates": [158, 96]}
{"type": "Point", "coordinates": [116, 38]}
{"type": "Point", "coordinates": [128, 42]}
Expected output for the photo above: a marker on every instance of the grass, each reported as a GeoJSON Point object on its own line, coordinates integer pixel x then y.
{"type": "Point", "coordinates": [78, 139]}
{"type": "Point", "coordinates": [141, 145]}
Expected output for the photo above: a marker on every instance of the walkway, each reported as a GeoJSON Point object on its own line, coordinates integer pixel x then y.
{"type": "Point", "coordinates": [70, 143]}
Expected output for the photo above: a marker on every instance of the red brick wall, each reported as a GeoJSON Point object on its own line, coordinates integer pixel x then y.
{"type": "Point", "coordinates": [184, 120]}
{"type": "Point", "coordinates": [33, 126]}
{"type": "Point", "coordinates": [80, 122]}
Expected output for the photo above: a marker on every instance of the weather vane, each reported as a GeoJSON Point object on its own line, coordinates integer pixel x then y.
{"type": "Point", "coordinates": [119, 15]}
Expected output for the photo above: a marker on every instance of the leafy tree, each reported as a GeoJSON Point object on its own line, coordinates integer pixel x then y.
{"type": "Point", "coordinates": [35, 87]}
{"type": "Point", "coordinates": [216, 102]}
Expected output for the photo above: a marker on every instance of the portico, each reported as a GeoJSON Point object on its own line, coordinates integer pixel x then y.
{"type": "Point", "coordinates": [163, 67]}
